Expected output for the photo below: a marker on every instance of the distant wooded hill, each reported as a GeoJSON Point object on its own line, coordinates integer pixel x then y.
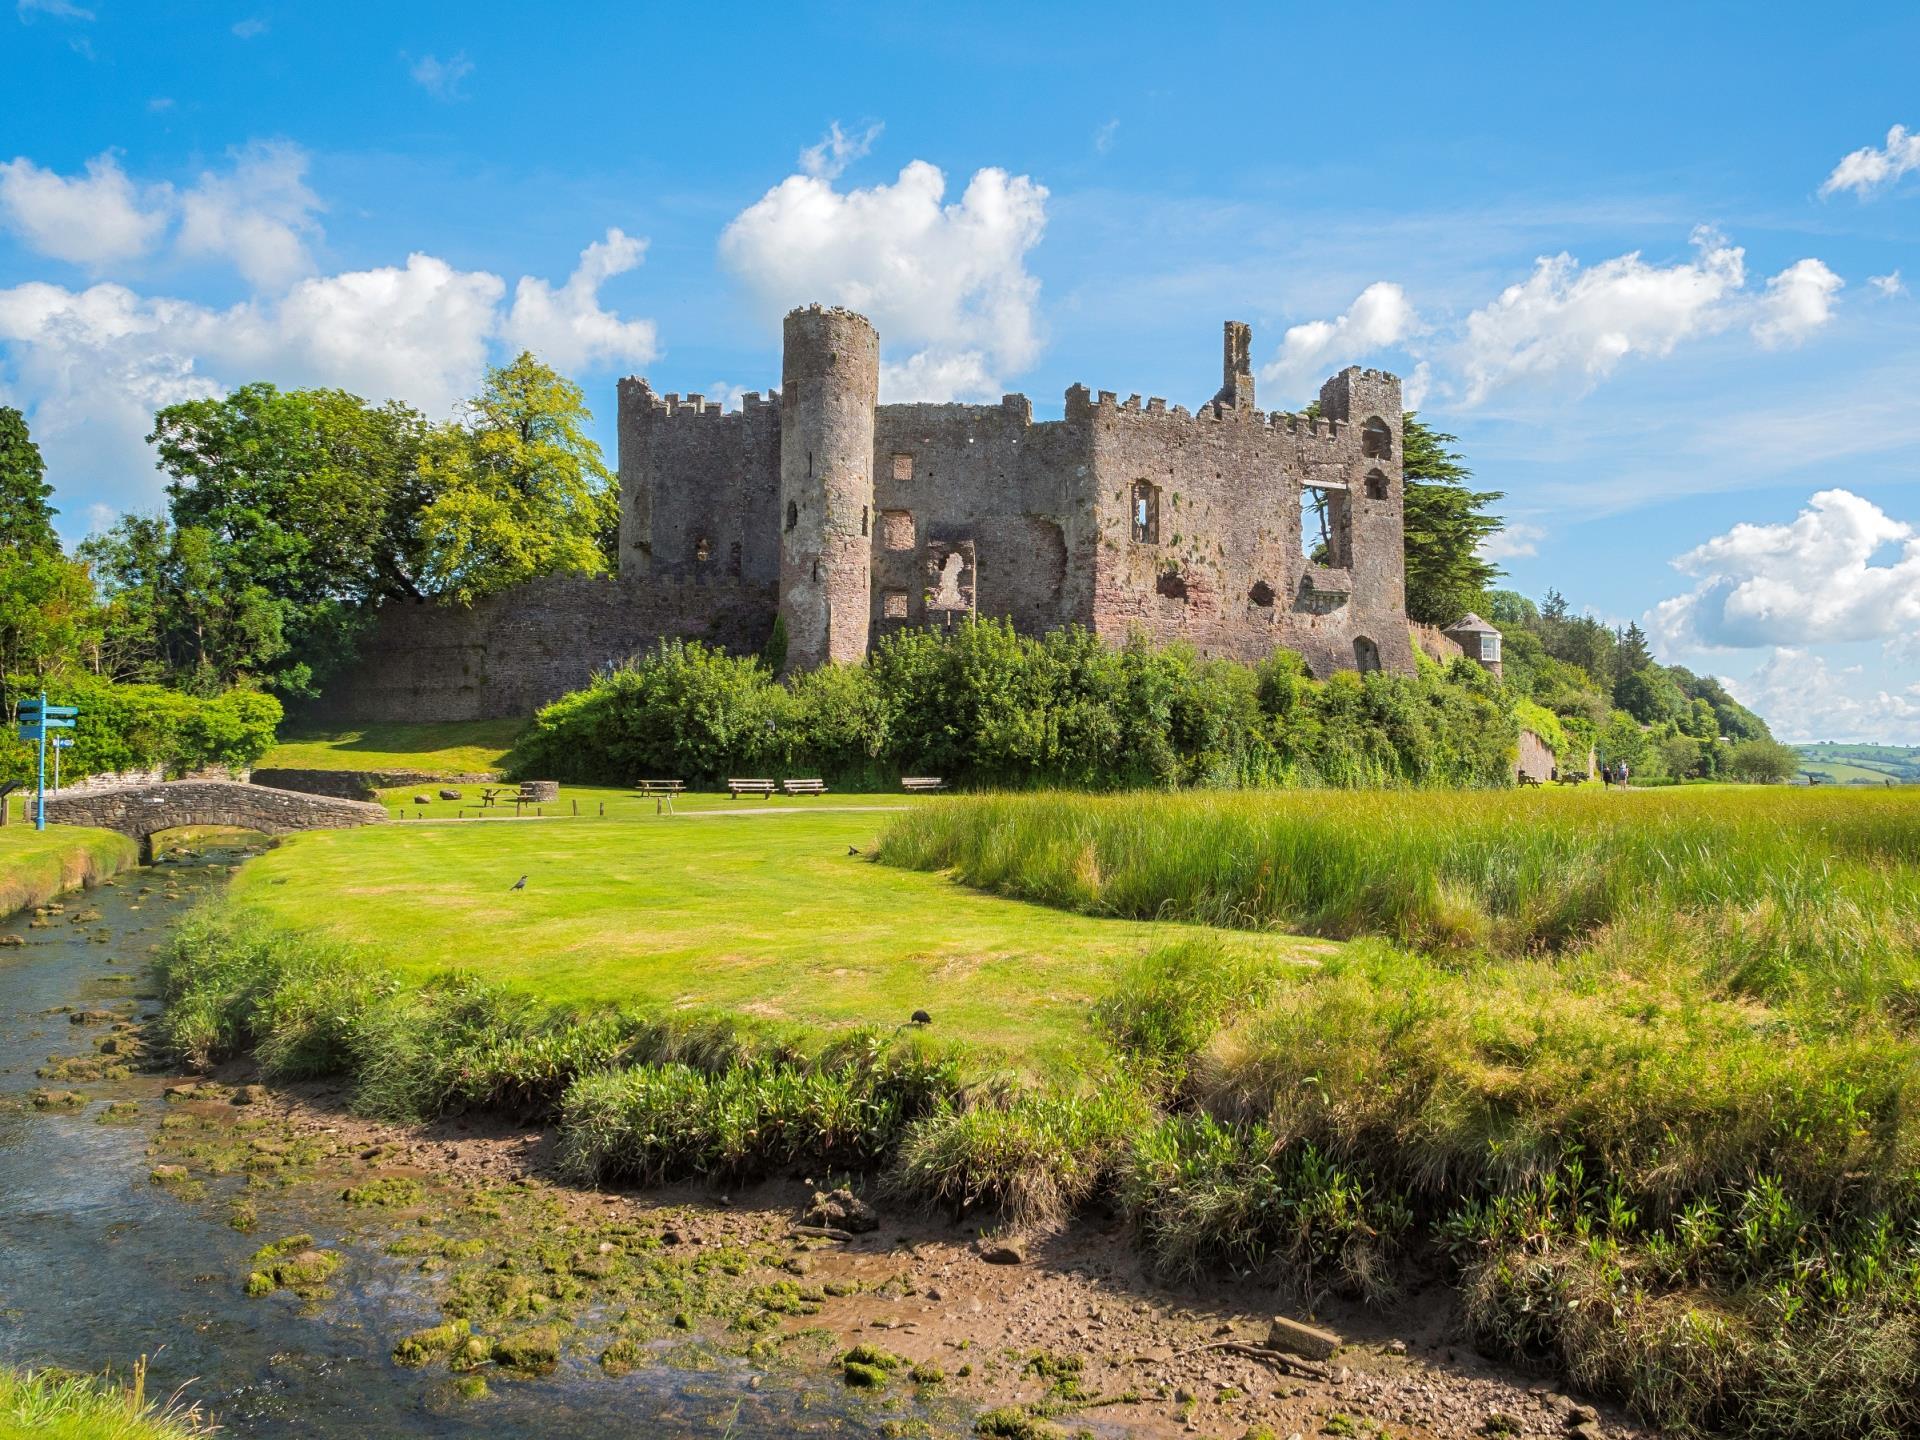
{"type": "Point", "coordinates": [1834, 764]}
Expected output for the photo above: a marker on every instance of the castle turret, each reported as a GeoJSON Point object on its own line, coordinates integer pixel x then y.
{"type": "Point", "coordinates": [830, 384]}
{"type": "Point", "coordinates": [1236, 367]}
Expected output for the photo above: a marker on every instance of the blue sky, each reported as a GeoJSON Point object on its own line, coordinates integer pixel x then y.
{"type": "Point", "coordinates": [1654, 271]}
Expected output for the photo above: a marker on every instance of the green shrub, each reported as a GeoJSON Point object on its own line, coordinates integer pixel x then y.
{"type": "Point", "coordinates": [985, 705]}
{"type": "Point", "coordinates": [137, 727]}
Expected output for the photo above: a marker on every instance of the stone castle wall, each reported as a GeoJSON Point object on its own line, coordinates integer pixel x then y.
{"type": "Point", "coordinates": [508, 655]}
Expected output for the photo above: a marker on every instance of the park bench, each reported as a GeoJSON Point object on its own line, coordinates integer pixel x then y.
{"type": "Point", "coordinates": [804, 787]}
{"type": "Point", "coordinates": [661, 792]}
{"type": "Point", "coordinates": [737, 788]}
{"type": "Point", "coordinates": [1526, 779]}
{"type": "Point", "coordinates": [922, 782]}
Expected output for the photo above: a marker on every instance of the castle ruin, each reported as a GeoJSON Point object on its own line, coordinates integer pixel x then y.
{"type": "Point", "coordinates": [1237, 530]}
{"type": "Point", "coordinates": [1240, 531]}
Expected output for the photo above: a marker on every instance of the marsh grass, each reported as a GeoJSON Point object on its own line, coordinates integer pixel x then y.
{"type": "Point", "coordinates": [60, 1405]}
{"type": "Point", "coordinates": [1638, 1072]}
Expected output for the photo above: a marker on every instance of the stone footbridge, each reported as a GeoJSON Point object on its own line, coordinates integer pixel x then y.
{"type": "Point", "coordinates": [142, 811]}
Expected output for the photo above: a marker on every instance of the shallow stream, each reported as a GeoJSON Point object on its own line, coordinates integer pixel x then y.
{"type": "Point", "coordinates": [98, 1265]}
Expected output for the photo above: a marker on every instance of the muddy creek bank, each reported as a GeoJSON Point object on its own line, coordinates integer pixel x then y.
{"type": "Point", "coordinates": [313, 1273]}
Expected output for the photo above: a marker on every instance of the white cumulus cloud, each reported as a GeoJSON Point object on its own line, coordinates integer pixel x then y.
{"type": "Point", "coordinates": [567, 327]}
{"type": "Point", "coordinates": [1512, 542]}
{"type": "Point", "coordinates": [1799, 300]}
{"type": "Point", "coordinates": [837, 150]}
{"type": "Point", "coordinates": [1888, 286]}
{"type": "Point", "coordinates": [1872, 168]}
{"type": "Point", "coordinates": [1816, 579]}
{"type": "Point", "coordinates": [94, 219]}
{"type": "Point", "coordinates": [1803, 698]}
{"type": "Point", "coordinates": [1380, 315]}
{"type": "Point", "coordinates": [259, 215]}
{"type": "Point", "coordinates": [1566, 322]}
{"type": "Point", "coordinates": [92, 365]}
{"type": "Point", "coordinates": [947, 282]}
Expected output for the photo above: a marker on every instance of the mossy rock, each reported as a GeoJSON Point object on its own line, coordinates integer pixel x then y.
{"type": "Point", "coordinates": [529, 1352]}
{"type": "Point", "coordinates": [389, 1192]}
{"type": "Point", "coordinates": [1010, 1422]}
{"type": "Point", "coordinates": [471, 1387]}
{"type": "Point", "coordinates": [292, 1264]}
{"type": "Point", "coordinates": [118, 1112]}
{"type": "Point", "coordinates": [868, 1367]}
{"type": "Point", "coordinates": [423, 1347]}
{"type": "Point", "coordinates": [926, 1373]}
{"type": "Point", "coordinates": [57, 1099]}
{"type": "Point", "coordinates": [621, 1357]}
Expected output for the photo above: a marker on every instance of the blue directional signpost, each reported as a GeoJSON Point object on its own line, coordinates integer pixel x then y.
{"type": "Point", "coordinates": [37, 717]}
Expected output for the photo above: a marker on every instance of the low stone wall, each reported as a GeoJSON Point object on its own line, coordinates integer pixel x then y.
{"type": "Point", "coordinates": [142, 811]}
{"type": "Point", "coordinates": [508, 655]}
{"type": "Point", "coordinates": [1536, 760]}
{"type": "Point", "coordinates": [1436, 645]}
{"type": "Point", "coordinates": [359, 784]}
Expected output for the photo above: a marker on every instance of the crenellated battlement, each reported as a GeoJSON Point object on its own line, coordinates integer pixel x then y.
{"type": "Point", "coordinates": [1083, 402]}
{"type": "Point", "coordinates": [637, 395]}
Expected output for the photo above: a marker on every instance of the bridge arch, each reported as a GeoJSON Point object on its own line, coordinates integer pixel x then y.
{"type": "Point", "coordinates": [143, 811]}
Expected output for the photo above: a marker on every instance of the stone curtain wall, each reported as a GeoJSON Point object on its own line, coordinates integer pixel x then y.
{"type": "Point", "coordinates": [951, 476]}
{"type": "Point", "coordinates": [141, 811]}
{"type": "Point", "coordinates": [1536, 760]}
{"type": "Point", "coordinates": [506, 656]}
{"type": "Point", "coordinates": [1224, 567]}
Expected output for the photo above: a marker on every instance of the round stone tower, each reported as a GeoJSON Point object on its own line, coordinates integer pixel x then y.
{"type": "Point", "coordinates": [830, 382]}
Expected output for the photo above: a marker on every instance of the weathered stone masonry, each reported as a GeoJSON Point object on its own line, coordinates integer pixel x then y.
{"type": "Point", "coordinates": [1121, 516]}
{"type": "Point", "coordinates": [852, 519]}
{"type": "Point", "coordinates": [142, 811]}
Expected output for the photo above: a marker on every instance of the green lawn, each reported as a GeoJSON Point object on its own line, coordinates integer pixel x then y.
{"type": "Point", "coordinates": [766, 915]}
{"type": "Point", "coordinates": [36, 865]}
{"type": "Point", "coordinates": [465, 747]}
{"type": "Point", "coordinates": [621, 803]}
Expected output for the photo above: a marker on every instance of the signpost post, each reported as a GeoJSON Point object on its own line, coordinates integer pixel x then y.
{"type": "Point", "coordinates": [37, 717]}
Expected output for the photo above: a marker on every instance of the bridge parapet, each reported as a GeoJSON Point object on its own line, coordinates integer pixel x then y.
{"type": "Point", "coordinates": [142, 811]}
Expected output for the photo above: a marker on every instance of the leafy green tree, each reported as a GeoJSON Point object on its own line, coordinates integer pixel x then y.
{"type": "Point", "coordinates": [309, 501]}
{"type": "Point", "coordinates": [1446, 523]}
{"type": "Point", "coordinates": [519, 491]}
{"type": "Point", "coordinates": [48, 620]}
{"type": "Point", "coordinates": [26, 520]}
{"type": "Point", "coordinates": [1763, 762]}
{"type": "Point", "coordinates": [178, 608]}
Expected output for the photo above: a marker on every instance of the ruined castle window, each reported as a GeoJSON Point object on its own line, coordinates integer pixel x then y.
{"type": "Point", "coordinates": [793, 514]}
{"type": "Point", "coordinates": [896, 529]}
{"type": "Point", "coordinates": [1366, 655]}
{"type": "Point", "coordinates": [865, 519]}
{"type": "Point", "coordinates": [893, 604]}
{"type": "Point", "coordinates": [1376, 440]}
{"type": "Point", "coordinates": [1326, 527]}
{"type": "Point", "coordinates": [903, 467]}
{"type": "Point", "coordinates": [1261, 593]}
{"type": "Point", "coordinates": [1376, 485]}
{"type": "Point", "coordinates": [1146, 513]}
{"type": "Point", "coordinates": [701, 550]}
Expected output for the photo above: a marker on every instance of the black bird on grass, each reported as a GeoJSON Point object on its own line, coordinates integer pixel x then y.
{"type": "Point", "coordinates": [920, 1017]}
{"type": "Point", "coordinates": [519, 884]}
{"type": "Point", "coordinates": [853, 849]}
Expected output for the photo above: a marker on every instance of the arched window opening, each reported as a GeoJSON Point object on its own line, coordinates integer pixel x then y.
{"type": "Point", "coordinates": [1376, 485]}
{"type": "Point", "coordinates": [1261, 594]}
{"type": "Point", "coordinates": [1376, 439]}
{"type": "Point", "coordinates": [793, 514]}
{"type": "Point", "coordinates": [1366, 655]}
{"type": "Point", "coordinates": [1146, 513]}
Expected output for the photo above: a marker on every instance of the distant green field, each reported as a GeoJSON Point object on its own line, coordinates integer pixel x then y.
{"type": "Point", "coordinates": [1842, 764]}
{"type": "Point", "coordinates": [464, 747]}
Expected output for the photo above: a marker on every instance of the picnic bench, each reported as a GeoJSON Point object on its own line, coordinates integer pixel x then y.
{"type": "Point", "coordinates": [804, 787]}
{"type": "Point", "coordinates": [660, 791]}
{"type": "Point", "coordinates": [737, 788]}
{"type": "Point", "coordinates": [1526, 779]}
{"type": "Point", "coordinates": [527, 792]}
{"type": "Point", "coordinates": [922, 782]}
